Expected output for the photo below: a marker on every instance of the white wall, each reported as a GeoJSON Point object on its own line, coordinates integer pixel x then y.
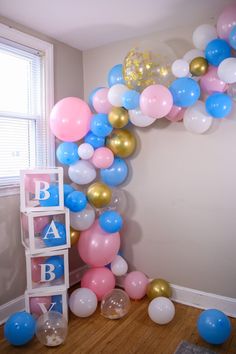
{"type": "Point", "coordinates": [181, 222]}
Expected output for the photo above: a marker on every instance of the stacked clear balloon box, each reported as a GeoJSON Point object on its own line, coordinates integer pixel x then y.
{"type": "Point", "coordinates": [96, 140]}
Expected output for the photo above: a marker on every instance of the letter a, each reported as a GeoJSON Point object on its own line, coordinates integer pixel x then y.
{"type": "Point", "coordinates": [52, 230]}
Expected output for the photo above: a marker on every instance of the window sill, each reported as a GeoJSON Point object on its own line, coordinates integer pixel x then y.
{"type": "Point", "coordinates": [6, 191]}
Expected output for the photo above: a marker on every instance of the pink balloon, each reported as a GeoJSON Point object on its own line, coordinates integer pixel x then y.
{"type": "Point", "coordinates": [99, 280]}
{"type": "Point", "coordinates": [226, 22]}
{"type": "Point", "coordinates": [156, 101]}
{"type": "Point", "coordinates": [97, 247]}
{"type": "Point", "coordinates": [176, 114]}
{"type": "Point", "coordinates": [35, 301]}
{"type": "Point", "coordinates": [36, 269]}
{"type": "Point", "coordinates": [100, 101]}
{"type": "Point", "coordinates": [102, 157]}
{"type": "Point", "coordinates": [210, 82]}
{"type": "Point", "coordinates": [39, 223]}
{"type": "Point", "coordinates": [135, 284]}
{"type": "Point", "coordinates": [30, 180]}
{"type": "Point", "coordinates": [70, 119]}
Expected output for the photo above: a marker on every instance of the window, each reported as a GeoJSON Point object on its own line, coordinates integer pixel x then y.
{"type": "Point", "coordinates": [26, 98]}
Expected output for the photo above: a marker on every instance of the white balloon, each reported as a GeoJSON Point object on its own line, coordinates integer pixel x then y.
{"type": "Point", "coordinates": [227, 70]}
{"type": "Point", "coordinates": [193, 53]}
{"type": "Point", "coordinates": [196, 119]}
{"type": "Point", "coordinates": [161, 310]}
{"type": "Point", "coordinates": [180, 68]}
{"type": "Point", "coordinates": [83, 302]}
{"type": "Point", "coordinates": [115, 94]}
{"type": "Point", "coordinates": [82, 172]}
{"type": "Point", "coordinates": [83, 219]}
{"type": "Point", "coordinates": [202, 35]}
{"type": "Point", "coordinates": [85, 151]}
{"type": "Point", "coordinates": [119, 266]}
{"type": "Point", "coordinates": [138, 119]}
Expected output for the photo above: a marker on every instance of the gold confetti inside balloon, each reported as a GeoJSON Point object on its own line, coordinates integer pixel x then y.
{"type": "Point", "coordinates": [158, 287]}
{"type": "Point", "coordinates": [121, 142]}
{"type": "Point", "coordinates": [198, 66]}
{"type": "Point", "coordinates": [74, 236]}
{"type": "Point", "coordinates": [118, 117]}
{"type": "Point", "coordinates": [99, 195]}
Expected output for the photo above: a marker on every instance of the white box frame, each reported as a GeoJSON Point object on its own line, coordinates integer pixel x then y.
{"type": "Point", "coordinates": [56, 292]}
{"type": "Point", "coordinates": [34, 207]}
{"type": "Point", "coordinates": [50, 287]}
{"type": "Point", "coordinates": [31, 246]}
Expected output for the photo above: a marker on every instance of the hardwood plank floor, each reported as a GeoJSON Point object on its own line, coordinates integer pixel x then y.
{"type": "Point", "coordinates": [135, 333]}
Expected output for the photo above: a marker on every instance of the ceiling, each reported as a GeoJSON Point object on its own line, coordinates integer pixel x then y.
{"type": "Point", "coordinates": [86, 24]}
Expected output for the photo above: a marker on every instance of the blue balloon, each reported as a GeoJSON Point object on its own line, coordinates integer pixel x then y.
{"type": "Point", "coordinates": [94, 140]}
{"type": "Point", "coordinates": [50, 236]}
{"type": "Point", "coordinates": [57, 300]}
{"type": "Point", "coordinates": [116, 174]}
{"type": "Point", "coordinates": [53, 199]}
{"type": "Point", "coordinates": [130, 99]}
{"type": "Point", "coordinates": [19, 328]}
{"type": "Point", "coordinates": [110, 221]}
{"type": "Point", "coordinates": [218, 105]}
{"type": "Point", "coordinates": [115, 75]}
{"type": "Point", "coordinates": [100, 125]}
{"type": "Point", "coordinates": [185, 91]}
{"type": "Point", "coordinates": [232, 38]}
{"type": "Point", "coordinates": [76, 201]}
{"type": "Point", "coordinates": [214, 326]}
{"type": "Point", "coordinates": [67, 188]}
{"type": "Point", "coordinates": [91, 96]}
{"type": "Point", "coordinates": [216, 51]}
{"type": "Point", "coordinates": [58, 264]}
{"type": "Point", "coordinates": [67, 153]}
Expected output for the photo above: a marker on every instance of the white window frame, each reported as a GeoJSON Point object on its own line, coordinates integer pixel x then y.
{"type": "Point", "coordinates": [46, 48]}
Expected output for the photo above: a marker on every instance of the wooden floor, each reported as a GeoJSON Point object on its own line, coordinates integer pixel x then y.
{"type": "Point", "coordinates": [135, 333]}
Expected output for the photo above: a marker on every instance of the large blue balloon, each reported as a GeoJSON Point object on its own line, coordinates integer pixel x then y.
{"type": "Point", "coordinates": [130, 99]}
{"type": "Point", "coordinates": [67, 153]}
{"type": "Point", "coordinates": [94, 140]}
{"type": "Point", "coordinates": [110, 221]}
{"type": "Point", "coordinates": [76, 201]}
{"type": "Point", "coordinates": [100, 125]}
{"type": "Point", "coordinates": [218, 105]}
{"type": "Point", "coordinates": [67, 188]}
{"type": "Point", "coordinates": [115, 75]}
{"type": "Point", "coordinates": [185, 91]}
{"type": "Point", "coordinates": [53, 199]}
{"type": "Point", "coordinates": [214, 326]}
{"type": "Point", "coordinates": [19, 328]}
{"type": "Point", "coordinates": [116, 174]}
{"type": "Point", "coordinates": [216, 51]}
{"type": "Point", "coordinates": [91, 96]}
{"type": "Point", "coordinates": [232, 37]}
{"type": "Point", "coordinates": [52, 237]}
{"type": "Point", "coordinates": [57, 301]}
{"type": "Point", "coordinates": [58, 264]}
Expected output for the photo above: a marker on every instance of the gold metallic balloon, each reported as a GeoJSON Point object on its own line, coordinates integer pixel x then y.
{"type": "Point", "coordinates": [158, 287]}
{"type": "Point", "coordinates": [121, 142]}
{"type": "Point", "coordinates": [198, 66]}
{"type": "Point", "coordinates": [118, 117]}
{"type": "Point", "coordinates": [74, 236]}
{"type": "Point", "coordinates": [99, 194]}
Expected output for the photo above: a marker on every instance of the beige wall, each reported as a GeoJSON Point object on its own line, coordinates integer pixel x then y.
{"type": "Point", "coordinates": [68, 82]}
{"type": "Point", "coordinates": [181, 221]}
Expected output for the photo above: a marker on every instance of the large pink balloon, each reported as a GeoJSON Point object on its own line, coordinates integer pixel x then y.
{"type": "Point", "coordinates": [70, 119]}
{"type": "Point", "coordinates": [210, 82]}
{"type": "Point", "coordinates": [226, 21]}
{"type": "Point", "coordinates": [135, 284]}
{"type": "Point", "coordinates": [100, 101]}
{"type": "Point", "coordinates": [35, 301]}
{"type": "Point", "coordinates": [97, 247]}
{"type": "Point", "coordinates": [156, 101]}
{"type": "Point", "coordinates": [36, 269]}
{"type": "Point", "coordinates": [176, 114]}
{"type": "Point", "coordinates": [99, 280]}
{"type": "Point", "coordinates": [102, 157]}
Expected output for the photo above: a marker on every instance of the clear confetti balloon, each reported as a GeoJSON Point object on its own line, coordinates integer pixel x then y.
{"type": "Point", "coordinates": [115, 304]}
{"type": "Point", "coordinates": [51, 329]}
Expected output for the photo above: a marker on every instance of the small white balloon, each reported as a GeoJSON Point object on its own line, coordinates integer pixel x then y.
{"type": "Point", "coordinates": [138, 119]}
{"type": "Point", "coordinates": [119, 266]}
{"type": "Point", "coordinates": [83, 219]}
{"type": "Point", "coordinates": [115, 94]}
{"type": "Point", "coordinates": [85, 151]}
{"type": "Point", "coordinates": [82, 172]}
{"type": "Point", "coordinates": [196, 119]}
{"type": "Point", "coordinates": [193, 53]}
{"type": "Point", "coordinates": [227, 70]}
{"type": "Point", "coordinates": [83, 302]}
{"type": "Point", "coordinates": [180, 68]}
{"type": "Point", "coordinates": [203, 34]}
{"type": "Point", "coordinates": [161, 310]}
